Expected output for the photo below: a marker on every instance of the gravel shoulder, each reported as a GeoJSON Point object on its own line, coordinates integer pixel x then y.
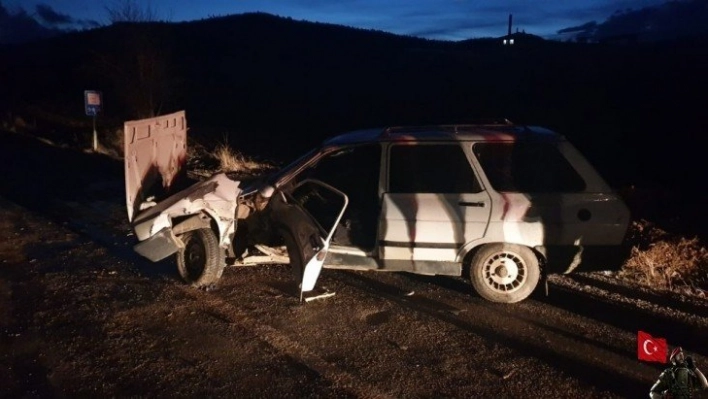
{"type": "Point", "coordinates": [83, 319]}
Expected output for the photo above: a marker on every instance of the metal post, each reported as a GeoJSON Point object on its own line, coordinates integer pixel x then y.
{"type": "Point", "coordinates": [95, 136]}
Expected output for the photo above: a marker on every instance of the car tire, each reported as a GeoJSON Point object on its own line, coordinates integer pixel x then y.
{"type": "Point", "coordinates": [504, 273]}
{"type": "Point", "coordinates": [201, 262]}
{"type": "Point", "coordinates": [296, 261]}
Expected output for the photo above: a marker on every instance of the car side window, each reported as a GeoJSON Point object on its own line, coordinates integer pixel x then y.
{"type": "Point", "coordinates": [431, 168]}
{"type": "Point", "coordinates": [527, 167]}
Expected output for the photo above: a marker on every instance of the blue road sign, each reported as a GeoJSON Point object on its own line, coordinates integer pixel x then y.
{"type": "Point", "coordinates": [92, 102]}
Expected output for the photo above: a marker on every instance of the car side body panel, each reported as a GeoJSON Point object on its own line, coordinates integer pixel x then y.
{"type": "Point", "coordinates": [429, 226]}
{"type": "Point", "coordinates": [215, 197]}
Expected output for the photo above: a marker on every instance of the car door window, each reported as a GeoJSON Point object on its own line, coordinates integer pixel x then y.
{"type": "Point", "coordinates": [354, 171]}
{"type": "Point", "coordinates": [431, 168]}
{"type": "Point", "coordinates": [321, 203]}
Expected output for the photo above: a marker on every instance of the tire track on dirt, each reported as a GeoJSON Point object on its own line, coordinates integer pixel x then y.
{"type": "Point", "coordinates": [218, 307]}
{"type": "Point", "coordinates": [601, 367]}
{"type": "Point", "coordinates": [621, 378]}
{"type": "Point", "coordinates": [684, 324]}
{"type": "Point", "coordinates": [685, 304]}
{"type": "Point", "coordinates": [98, 226]}
{"type": "Point", "coordinates": [563, 354]}
{"type": "Point", "coordinates": [628, 316]}
{"type": "Point", "coordinates": [281, 342]}
{"type": "Point", "coordinates": [94, 224]}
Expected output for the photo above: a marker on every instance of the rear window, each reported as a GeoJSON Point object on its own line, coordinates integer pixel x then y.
{"type": "Point", "coordinates": [527, 167]}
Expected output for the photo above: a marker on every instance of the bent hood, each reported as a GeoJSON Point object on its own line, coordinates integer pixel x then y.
{"type": "Point", "coordinates": [155, 153]}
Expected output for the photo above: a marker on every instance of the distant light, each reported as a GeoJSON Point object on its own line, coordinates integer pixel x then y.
{"type": "Point", "coordinates": [508, 42]}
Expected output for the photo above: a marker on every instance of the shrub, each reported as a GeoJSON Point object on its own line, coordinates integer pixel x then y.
{"type": "Point", "coordinates": [234, 161]}
{"type": "Point", "coordinates": [110, 142]}
{"type": "Point", "coordinates": [660, 260]}
{"type": "Point", "coordinates": [203, 162]}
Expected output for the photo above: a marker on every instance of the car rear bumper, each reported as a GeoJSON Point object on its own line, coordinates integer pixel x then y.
{"type": "Point", "coordinates": [159, 246]}
{"type": "Point", "coordinates": [576, 258]}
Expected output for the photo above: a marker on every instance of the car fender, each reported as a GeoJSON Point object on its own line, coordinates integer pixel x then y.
{"type": "Point", "coordinates": [215, 197]}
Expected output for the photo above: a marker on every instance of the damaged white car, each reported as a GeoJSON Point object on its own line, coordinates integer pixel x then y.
{"type": "Point", "coordinates": [499, 203]}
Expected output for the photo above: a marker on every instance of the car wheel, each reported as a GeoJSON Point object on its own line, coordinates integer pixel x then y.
{"type": "Point", "coordinates": [505, 273]}
{"type": "Point", "coordinates": [201, 262]}
{"type": "Point", "coordinates": [296, 262]}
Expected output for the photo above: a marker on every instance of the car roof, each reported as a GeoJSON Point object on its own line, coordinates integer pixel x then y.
{"type": "Point", "coordinates": [485, 132]}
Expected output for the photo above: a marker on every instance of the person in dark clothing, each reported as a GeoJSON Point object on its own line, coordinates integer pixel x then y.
{"type": "Point", "coordinates": [679, 380]}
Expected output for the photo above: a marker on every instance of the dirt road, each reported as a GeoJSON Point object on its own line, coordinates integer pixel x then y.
{"type": "Point", "coordinates": [82, 315]}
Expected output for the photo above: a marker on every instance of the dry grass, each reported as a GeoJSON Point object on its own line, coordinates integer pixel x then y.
{"type": "Point", "coordinates": [14, 124]}
{"type": "Point", "coordinates": [199, 163]}
{"type": "Point", "coordinates": [203, 162]}
{"type": "Point", "coordinates": [110, 143]}
{"type": "Point", "coordinates": [660, 260]}
{"type": "Point", "coordinates": [234, 161]}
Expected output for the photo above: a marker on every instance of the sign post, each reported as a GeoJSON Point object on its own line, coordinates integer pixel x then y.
{"type": "Point", "coordinates": [92, 103]}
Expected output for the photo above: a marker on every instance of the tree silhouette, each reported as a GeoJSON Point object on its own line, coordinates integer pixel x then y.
{"type": "Point", "coordinates": [139, 66]}
{"type": "Point", "coordinates": [130, 11]}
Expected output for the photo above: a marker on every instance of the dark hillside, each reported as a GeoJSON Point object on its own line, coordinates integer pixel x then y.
{"type": "Point", "coordinates": [279, 86]}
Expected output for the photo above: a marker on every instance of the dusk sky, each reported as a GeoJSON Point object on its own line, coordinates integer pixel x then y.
{"type": "Point", "coordinates": [433, 19]}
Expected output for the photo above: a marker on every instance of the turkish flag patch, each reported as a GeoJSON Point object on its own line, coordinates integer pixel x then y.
{"type": "Point", "coordinates": [651, 349]}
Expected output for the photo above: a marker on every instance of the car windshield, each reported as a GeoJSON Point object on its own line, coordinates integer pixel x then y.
{"type": "Point", "coordinates": [293, 166]}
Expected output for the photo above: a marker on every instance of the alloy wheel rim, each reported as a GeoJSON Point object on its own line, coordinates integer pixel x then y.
{"type": "Point", "coordinates": [505, 272]}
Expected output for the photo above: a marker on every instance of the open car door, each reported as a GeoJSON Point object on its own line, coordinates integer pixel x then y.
{"type": "Point", "coordinates": [307, 216]}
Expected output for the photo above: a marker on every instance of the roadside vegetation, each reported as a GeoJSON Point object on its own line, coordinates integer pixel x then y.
{"type": "Point", "coordinates": [664, 261]}
{"type": "Point", "coordinates": [231, 160]}
{"type": "Point", "coordinates": [204, 159]}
